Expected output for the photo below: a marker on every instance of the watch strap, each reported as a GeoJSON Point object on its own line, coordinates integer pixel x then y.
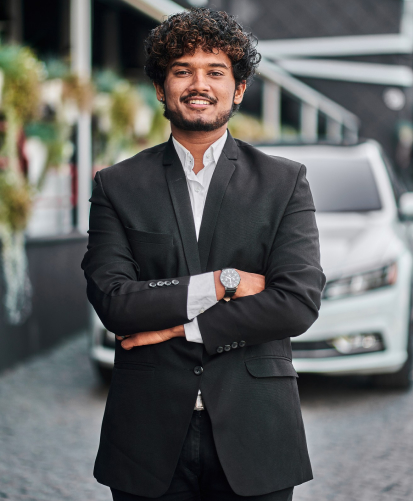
{"type": "Point", "coordinates": [230, 292]}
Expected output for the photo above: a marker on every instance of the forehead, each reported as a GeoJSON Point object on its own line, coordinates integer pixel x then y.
{"type": "Point", "coordinates": [200, 58]}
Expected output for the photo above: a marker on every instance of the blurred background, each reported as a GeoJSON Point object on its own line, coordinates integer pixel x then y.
{"type": "Point", "coordinates": [334, 90]}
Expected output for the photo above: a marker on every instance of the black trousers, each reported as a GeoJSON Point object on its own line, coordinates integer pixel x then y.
{"type": "Point", "coordinates": [199, 475]}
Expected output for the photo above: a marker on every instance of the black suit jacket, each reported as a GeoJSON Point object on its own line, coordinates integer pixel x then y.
{"type": "Point", "coordinates": [258, 217]}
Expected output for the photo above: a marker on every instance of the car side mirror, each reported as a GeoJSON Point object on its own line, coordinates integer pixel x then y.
{"type": "Point", "coordinates": [406, 206]}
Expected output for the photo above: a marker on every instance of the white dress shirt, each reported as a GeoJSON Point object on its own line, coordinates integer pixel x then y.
{"type": "Point", "coordinates": [201, 290]}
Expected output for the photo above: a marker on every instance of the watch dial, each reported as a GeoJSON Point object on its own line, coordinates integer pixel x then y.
{"type": "Point", "coordinates": [230, 278]}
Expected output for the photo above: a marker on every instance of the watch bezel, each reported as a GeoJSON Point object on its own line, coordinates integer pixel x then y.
{"type": "Point", "coordinates": [223, 276]}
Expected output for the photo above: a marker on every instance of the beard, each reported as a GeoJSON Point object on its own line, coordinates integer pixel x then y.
{"type": "Point", "coordinates": [197, 124]}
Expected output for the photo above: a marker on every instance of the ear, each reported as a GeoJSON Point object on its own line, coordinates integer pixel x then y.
{"type": "Point", "coordinates": [239, 92]}
{"type": "Point", "coordinates": [160, 94]}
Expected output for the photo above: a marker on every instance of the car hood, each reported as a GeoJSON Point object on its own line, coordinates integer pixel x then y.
{"type": "Point", "coordinates": [353, 243]}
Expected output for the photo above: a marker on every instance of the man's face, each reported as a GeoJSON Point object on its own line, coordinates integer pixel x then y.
{"type": "Point", "coordinates": [199, 91]}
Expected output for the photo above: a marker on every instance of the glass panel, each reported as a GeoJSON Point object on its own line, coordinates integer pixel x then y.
{"type": "Point", "coordinates": [342, 186]}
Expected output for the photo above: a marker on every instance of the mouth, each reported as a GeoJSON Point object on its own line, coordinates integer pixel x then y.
{"type": "Point", "coordinates": [197, 103]}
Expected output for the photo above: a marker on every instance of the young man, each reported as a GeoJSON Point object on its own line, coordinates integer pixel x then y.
{"type": "Point", "coordinates": [203, 258]}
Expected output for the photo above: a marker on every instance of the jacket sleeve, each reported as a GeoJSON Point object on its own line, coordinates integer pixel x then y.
{"type": "Point", "coordinates": [289, 304]}
{"type": "Point", "coordinates": [123, 303]}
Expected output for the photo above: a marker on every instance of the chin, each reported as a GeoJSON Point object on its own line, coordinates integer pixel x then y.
{"type": "Point", "coordinates": [198, 123]}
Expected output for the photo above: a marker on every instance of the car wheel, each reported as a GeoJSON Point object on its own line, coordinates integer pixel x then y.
{"type": "Point", "coordinates": [104, 373]}
{"type": "Point", "coordinates": [402, 379]}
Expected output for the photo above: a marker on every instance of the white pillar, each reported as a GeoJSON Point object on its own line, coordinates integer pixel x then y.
{"type": "Point", "coordinates": [271, 108]}
{"type": "Point", "coordinates": [80, 39]}
{"type": "Point", "coordinates": [350, 134]}
{"type": "Point", "coordinates": [309, 122]}
{"type": "Point", "coordinates": [334, 130]}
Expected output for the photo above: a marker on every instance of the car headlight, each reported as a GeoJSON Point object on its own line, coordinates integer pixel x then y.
{"type": "Point", "coordinates": [361, 282]}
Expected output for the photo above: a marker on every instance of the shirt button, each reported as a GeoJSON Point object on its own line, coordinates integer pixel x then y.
{"type": "Point", "coordinates": [234, 344]}
{"type": "Point", "coordinates": [160, 283]}
{"type": "Point", "coordinates": [201, 310]}
{"type": "Point", "coordinates": [198, 370]}
{"type": "Point", "coordinates": [152, 284]}
{"type": "Point", "coordinates": [242, 344]}
{"type": "Point", "coordinates": [175, 282]}
{"type": "Point", "coordinates": [197, 189]}
{"type": "Point", "coordinates": [220, 349]}
{"type": "Point", "coordinates": [227, 347]}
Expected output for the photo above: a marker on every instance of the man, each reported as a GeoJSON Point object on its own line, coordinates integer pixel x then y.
{"type": "Point", "coordinates": [203, 259]}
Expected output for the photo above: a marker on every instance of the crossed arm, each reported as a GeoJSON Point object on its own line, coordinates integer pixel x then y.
{"type": "Point", "coordinates": [286, 307]}
{"type": "Point", "coordinates": [250, 284]}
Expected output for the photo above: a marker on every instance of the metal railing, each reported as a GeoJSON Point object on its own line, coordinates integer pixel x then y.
{"type": "Point", "coordinates": [340, 123]}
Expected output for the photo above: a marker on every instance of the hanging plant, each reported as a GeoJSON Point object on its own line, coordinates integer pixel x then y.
{"type": "Point", "coordinates": [127, 118]}
{"type": "Point", "coordinates": [15, 206]}
{"type": "Point", "coordinates": [79, 91]}
{"type": "Point", "coordinates": [20, 98]}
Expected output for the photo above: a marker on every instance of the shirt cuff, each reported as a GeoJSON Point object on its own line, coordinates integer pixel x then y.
{"type": "Point", "coordinates": [192, 332]}
{"type": "Point", "coordinates": [201, 294]}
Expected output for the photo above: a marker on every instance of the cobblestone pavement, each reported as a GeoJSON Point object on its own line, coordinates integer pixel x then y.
{"type": "Point", "coordinates": [360, 438]}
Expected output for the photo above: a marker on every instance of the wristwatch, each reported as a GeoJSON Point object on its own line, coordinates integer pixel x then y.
{"type": "Point", "coordinates": [230, 279]}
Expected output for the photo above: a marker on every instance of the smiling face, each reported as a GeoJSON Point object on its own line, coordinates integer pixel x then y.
{"type": "Point", "coordinates": [199, 91]}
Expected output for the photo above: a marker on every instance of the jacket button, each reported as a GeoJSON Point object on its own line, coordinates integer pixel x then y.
{"type": "Point", "coordinates": [234, 344]}
{"type": "Point", "coordinates": [198, 370]}
{"type": "Point", "coordinates": [220, 349]}
{"type": "Point", "coordinates": [242, 344]}
{"type": "Point", "coordinates": [160, 283]}
{"type": "Point", "coordinates": [175, 282]}
{"type": "Point", "coordinates": [227, 347]}
{"type": "Point", "coordinates": [167, 282]}
{"type": "Point", "coordinates": [152, 284]}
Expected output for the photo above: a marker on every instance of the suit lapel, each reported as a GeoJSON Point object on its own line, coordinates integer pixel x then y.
{"type": "Point", "coordinates": [219, 182]}
{"type": "Point", "coordinates": [178, 190]}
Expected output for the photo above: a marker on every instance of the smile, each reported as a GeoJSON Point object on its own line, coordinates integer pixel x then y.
{"type": "Point", "coordinates": [198, 101]}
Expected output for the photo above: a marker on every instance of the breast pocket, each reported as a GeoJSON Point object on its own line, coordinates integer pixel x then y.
{"type": "Point", "coordinates": [154, 253]}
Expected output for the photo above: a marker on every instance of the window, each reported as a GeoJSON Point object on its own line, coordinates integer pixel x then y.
{"type": "Point", "coordinates": [340, 185]}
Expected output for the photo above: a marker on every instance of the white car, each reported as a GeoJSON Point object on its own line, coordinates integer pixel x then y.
{"type": "Point", "coordinates": [364, 219]}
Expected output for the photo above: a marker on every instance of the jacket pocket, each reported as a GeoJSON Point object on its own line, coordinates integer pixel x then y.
{"type": "Point", "coordinates": [148, 237]}
{"type": "Point", "coordinates": [270, 367]}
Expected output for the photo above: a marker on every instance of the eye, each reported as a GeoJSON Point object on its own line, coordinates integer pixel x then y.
{"type": "Point", "coordinates": [182, 72]}
{"type": "Point", "coordinates": [216, 74]}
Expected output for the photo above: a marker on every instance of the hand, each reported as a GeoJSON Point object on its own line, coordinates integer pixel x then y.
{"type": "Point", "coordinates": [150, 337]}
{"type": "Point", "coordinates": [251, 283]}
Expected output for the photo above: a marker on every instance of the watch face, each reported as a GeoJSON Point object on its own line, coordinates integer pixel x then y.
{"type": "Point", "coordinates": [230, 278]}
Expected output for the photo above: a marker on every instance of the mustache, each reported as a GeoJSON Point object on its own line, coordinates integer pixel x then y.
{"type": "Point", "coordinates": [199, 94]}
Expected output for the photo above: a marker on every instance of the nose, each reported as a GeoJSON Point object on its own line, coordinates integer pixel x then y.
{"type": "Point", "coordinates": [199, 82]}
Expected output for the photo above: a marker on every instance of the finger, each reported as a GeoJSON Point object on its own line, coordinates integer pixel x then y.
{"type": "Point", "coordinates": [131, 342]}
{"type": "Point", "coordinates": [121, 338]}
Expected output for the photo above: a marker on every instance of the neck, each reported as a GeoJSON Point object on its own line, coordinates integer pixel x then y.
{"type": "Point", "coordinates": [197, 142]}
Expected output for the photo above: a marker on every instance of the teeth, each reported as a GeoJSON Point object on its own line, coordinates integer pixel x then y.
{"type": "Point", "coordinates": [198, 101]}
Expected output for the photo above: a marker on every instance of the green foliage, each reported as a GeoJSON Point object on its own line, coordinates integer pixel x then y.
{"type": "Point", "coordinates": [106, 81]}
{"type": "Point", "coordinates": [148, 95]}
{"type": "Point", "coordinates": [15, 202]}
{"type": "Point", "coordinates": [56, 68]}
{"type": "Point", "coordinates": [22, 75]}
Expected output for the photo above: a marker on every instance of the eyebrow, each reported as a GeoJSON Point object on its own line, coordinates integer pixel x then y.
{"type": "Point", "coordinates": [210, 65]}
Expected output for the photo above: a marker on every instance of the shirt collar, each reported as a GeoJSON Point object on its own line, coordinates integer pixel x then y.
{"type": "Point", "coordinates": [214, 151]}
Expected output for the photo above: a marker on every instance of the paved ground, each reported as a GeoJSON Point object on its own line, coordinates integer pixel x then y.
{"type": "Point", "coordinates": [360, 438]}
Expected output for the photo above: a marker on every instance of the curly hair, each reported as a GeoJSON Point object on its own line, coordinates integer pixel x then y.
{"type": "Point", "coordinates": [183, 33]}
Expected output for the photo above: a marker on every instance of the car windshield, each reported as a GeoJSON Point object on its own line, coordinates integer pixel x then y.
{"type": "Point", "coordinates": [340, 185]}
